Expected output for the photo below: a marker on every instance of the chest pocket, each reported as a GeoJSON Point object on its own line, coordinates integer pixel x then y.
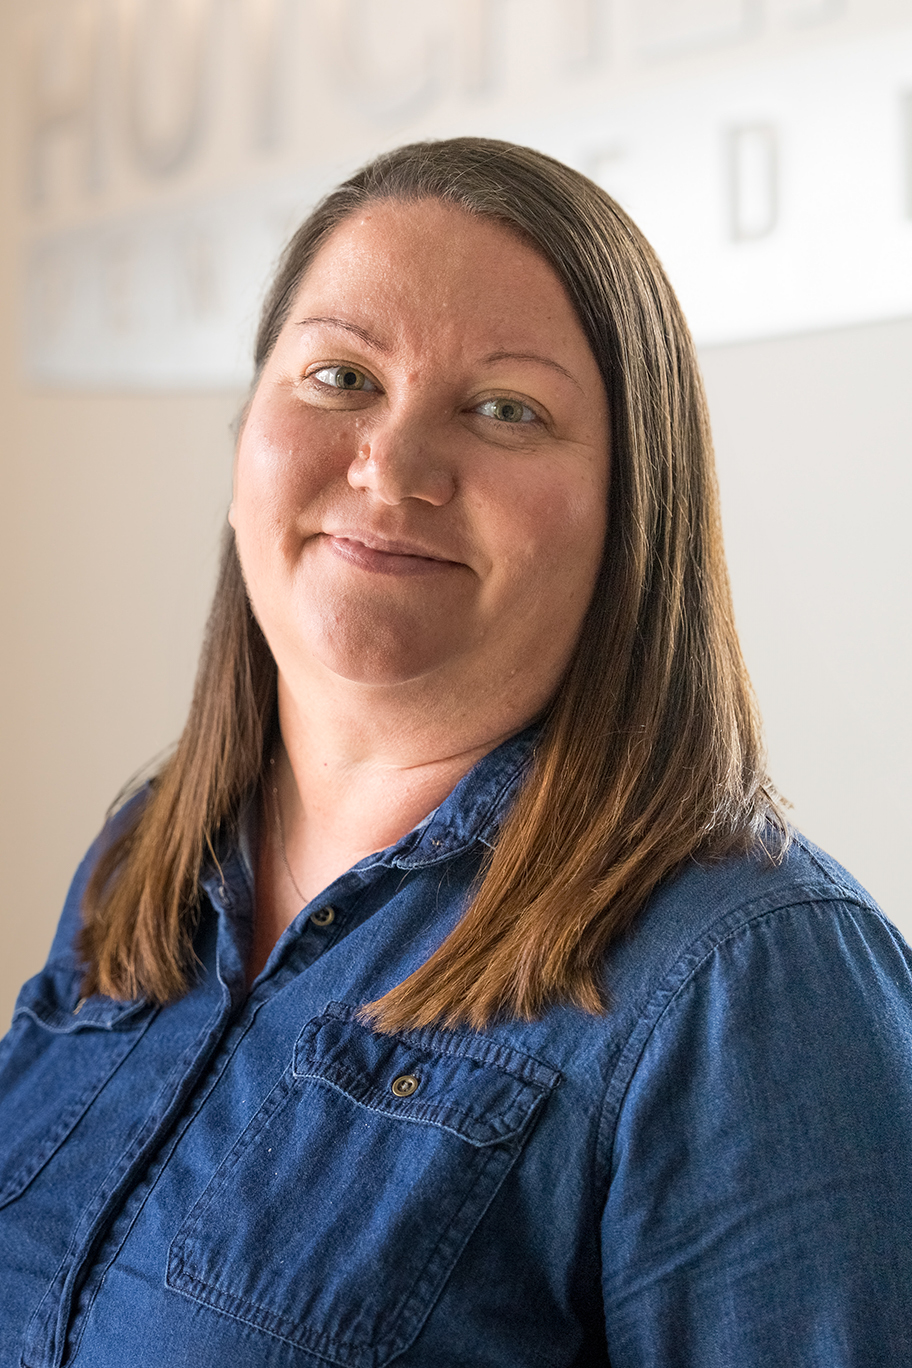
{"type": "Point", "coordinates": [339, 1214]}
{"type": "Point", "coordinates": [53, 1064]}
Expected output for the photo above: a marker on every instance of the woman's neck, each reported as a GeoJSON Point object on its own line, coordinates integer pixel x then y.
{"type": "Point", "coordinates": [341, 786]}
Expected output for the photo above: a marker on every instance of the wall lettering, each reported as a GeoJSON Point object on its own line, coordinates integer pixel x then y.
{"type": "Point", "coordinates": [387, 56]}
{"type": "Point", "coordinates": [118, 285]}
{"type": "Point", "coordinates": [582, 24]}
{"type": "Point", "coordinates": [164, 90]}
{"type": "Point", "coordinates": [801, 12]}
{"type": "Point", "coordinates": [171, 145]}
{"type": "Point", "coordinates": [199, 293]}
{"type": "Point", "coordinates": [52, 293]}
{"type": "Point", "coordinates": [666, 27]}
{"type": "Point", "coordinates": [268, 30]}
{"type": "Point", "coordinates": [482, 30]}
{"type": "Point", "coordinates": [752, 174]}
{"type": "Point", "coordinates": [62, 101]}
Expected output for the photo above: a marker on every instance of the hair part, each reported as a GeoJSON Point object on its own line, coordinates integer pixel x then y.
{"type": "Point", "coordinates": [650, 751]}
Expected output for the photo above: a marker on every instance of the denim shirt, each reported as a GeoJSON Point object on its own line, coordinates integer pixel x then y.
{"type": "Point", "coordinates": [716, 1173]}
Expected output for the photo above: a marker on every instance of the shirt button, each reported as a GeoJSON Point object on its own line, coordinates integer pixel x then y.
{"type": "Point", "coordinates": [324, 917]}
{"type": "Point", "coordinates": [404, 1085]}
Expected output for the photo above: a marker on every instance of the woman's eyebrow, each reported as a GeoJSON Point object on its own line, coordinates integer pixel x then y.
{"type": "Point", "coordinates": [530, 356]}
{"type": "Point", "coordinates": [361, 333]}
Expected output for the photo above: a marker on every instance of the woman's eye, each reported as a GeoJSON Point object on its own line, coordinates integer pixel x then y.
{"type": "Point", "coordinates": [507, 411]}
{"type": "Point", "coordinates": [343, 378]}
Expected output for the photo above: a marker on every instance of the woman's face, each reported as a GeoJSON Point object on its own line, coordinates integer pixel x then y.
{"type": "Point", "coordinates": [420, 484]}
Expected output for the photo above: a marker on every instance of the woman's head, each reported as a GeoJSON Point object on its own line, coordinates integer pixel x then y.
{"type": "Point", "coordinates": [420, 483]}
{"type": "Point", "coordinates": [661, 497]}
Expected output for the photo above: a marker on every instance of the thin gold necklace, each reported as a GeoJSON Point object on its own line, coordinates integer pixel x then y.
{"type": "Point", "coordinates": [281, 831]}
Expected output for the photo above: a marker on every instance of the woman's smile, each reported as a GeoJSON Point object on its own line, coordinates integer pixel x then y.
{"type": "Point", "coordinates": [370, 553]}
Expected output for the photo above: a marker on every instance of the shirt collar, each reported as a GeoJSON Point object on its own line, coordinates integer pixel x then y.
{"type": "Point", "coordinates": [472, 813]}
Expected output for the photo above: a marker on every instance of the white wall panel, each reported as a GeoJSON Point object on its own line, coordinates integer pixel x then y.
{"type": "Point", "coordinates": [773, 177]}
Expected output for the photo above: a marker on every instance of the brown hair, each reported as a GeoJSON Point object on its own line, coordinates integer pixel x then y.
{"type": "Point", "coordinates": [650, 751]}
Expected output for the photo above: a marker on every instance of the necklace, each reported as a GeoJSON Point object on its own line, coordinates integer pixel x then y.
{"type": "Point", "coordinates": [281, 831]}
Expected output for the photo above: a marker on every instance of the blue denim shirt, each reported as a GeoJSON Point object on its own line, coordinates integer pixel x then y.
{"type": "Point", "coordinates": [715, 1174]}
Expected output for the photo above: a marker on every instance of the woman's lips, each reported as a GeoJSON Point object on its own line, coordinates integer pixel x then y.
{"type": "Point", "coordinates": [391, 558]}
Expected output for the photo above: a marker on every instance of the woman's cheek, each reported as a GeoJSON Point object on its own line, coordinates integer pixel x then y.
{"type": "Point", "coordinates": [550, 521]}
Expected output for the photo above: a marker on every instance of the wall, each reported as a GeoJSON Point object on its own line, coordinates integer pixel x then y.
{"type": "Point", "coordinates": [814, 445]}
{"type": "Point", "coordinates": [168, 145]}
{"type": "Point", "coordinates": [114, 497]}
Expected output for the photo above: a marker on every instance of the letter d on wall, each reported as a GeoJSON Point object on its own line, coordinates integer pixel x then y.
{"type": "Point", "coordinates": [752, 175]}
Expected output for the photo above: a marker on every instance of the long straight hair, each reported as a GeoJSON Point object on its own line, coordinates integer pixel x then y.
{"type": "Point", "coordinates": [650, 751]}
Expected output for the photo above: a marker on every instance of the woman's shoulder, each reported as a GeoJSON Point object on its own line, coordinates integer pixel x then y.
{"type": "Point", "coordinates": [779, 959]}
{"type": "Point", "coordinates": [766, 954]}
{"type": "Point", "coordinates": [755, 1136]}
{"type": "Point", "coordinates": [710, 904]}
{"type": "Point", "coordinates": [785, 965]}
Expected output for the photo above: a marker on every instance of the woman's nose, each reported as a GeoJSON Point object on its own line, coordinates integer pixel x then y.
{"type": "Point", "coordinates": [397, 461]}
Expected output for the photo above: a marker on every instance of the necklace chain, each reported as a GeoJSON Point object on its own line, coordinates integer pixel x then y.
{"type": "Point", "coordinates": [281, 832]}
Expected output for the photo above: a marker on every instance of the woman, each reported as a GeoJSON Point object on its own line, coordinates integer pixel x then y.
{"type": "Point", "coordinates": [456, 994]}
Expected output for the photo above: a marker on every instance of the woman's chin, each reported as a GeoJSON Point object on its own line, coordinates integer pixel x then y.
{"type": "Point", "coordinates": [379, 659]}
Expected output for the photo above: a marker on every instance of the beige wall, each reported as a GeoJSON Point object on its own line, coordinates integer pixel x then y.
{"type": "Point", "coordinates": [814, 445]}
{"type": "Point", "coordinates": [110, 518]}
{"type": "Point", "coordinates": [118, 504]}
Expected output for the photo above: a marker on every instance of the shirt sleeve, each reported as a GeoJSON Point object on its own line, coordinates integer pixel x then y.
{"type": "Point", "coordinates": [760, 1204]}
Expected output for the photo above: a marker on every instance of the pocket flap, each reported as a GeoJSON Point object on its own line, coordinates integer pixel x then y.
{"type": "Point", "coordinates": [57, 1058]}
{"type": "Point", "coordinates": [479, 1089]}
{"type": "Point", "coordinates": [51, 1000]}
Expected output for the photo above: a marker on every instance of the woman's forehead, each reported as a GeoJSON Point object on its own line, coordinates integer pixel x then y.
{"type": "Point", "coordinates": [396, 263]}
